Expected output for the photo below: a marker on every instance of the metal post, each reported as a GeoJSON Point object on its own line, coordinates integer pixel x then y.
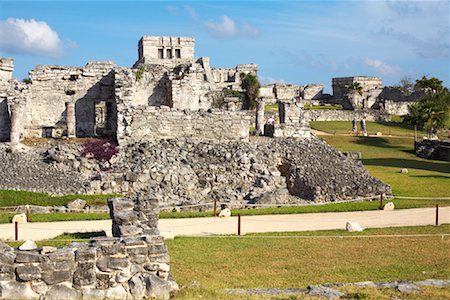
{"type": "Point", "coordinates": [16, 225]}
{"type": "Point", "coordinates": [215, 207]}
{"type": "Point", "coordinates": [239, 224]}
{"type": "Point", "coordinates": [437, 214]}
{"type": "Point", "coordinates": [381, 201]}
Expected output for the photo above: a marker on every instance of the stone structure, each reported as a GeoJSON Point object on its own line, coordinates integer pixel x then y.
{"type": "Point", "coordinates": [393, 101]}
{"type": "Point", "coordinates": [103, 96]}
{"type": "Point", "coordinates": [348, 115]}
{"type": "Point", "coordinates": [132, 264]}
{"type": "Point", "coordinates": [294, 120]}
{"type": "Point", "coordinates": [6, 68]}
{"type": "Point", "coordinates": [165, 50]}
{"type": "Point", "coordinates": [259, 129]}
{"type": "Point", "coordinates": [351, 99]}
{"type": "Point", "coordinates": [432, 149]}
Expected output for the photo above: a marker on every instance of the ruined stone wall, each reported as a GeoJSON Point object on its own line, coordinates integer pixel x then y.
{"type": "Point", "coordinates": [6, 68]}
{"type": "Point", "coordinates": [371, 89]}
{"type": "Point", "coordinates": [52, 86]}
{"type": "Point", "coordinates": [4, 112]}
{"type": "Point", "coordinates": [347, 115]}
{"type": "Point", "coordinates": [294, 120]}
{"type": "Point", "coordinates": [152, 124]}
{"type": "Point", "coordinates": [268, 93]}
{"type": "Point", "coordinates": [312, 91]}
{"type": "Point", "coordinates": [134, 263]}
{"type": "Point", "coordinates": [395, 102]}
{"type": "Point", "coordinates": [151, 85]}
{"type": "Point", "coordinates": [286, 91]}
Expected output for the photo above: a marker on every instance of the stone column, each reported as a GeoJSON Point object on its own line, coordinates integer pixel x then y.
{"type": "Point", "coordinates": [70, 120]}
{"type": "Point", "coordinates": [15, 119]}
{"type": "Point", "coordinates": [260, 117]}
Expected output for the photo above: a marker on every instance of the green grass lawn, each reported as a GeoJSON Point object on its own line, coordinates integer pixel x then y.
{"type": "Point", "coordinates": [345, 127]}
{"type": "Point", "coordinates": [298, 260]}
{"type": "Point", "coordinates": [313, 107]}
{"type": "Point", "coordinates": [384, 157]}
{"type": "Point", "coordinates": [14, 198]}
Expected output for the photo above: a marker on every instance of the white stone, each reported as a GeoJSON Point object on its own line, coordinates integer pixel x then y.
{"type": "Point", "coordinates": [389, 206]}
{"type": "Point", "coordinates": [19, 218]}
{"type": "Point", "coordinates": [225, 213]}
{"type": "Point", "coordinates": [167, 235]}
{"type": "Point", "coordinates": [48, 249]}
{"type": "Point", "coordinates": [404, 171]}
{"type": "Point", "coordinates": [117, 292]}
{"type": "Point", "coordinates": [353, 226]}
{"type": "Point", "coordinates": [28, 245]}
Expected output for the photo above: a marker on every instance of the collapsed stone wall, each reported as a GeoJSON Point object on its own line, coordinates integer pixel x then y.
{"type": "Point", "coordinates": [395, 102]}
{"type": "Point", "coordinates": [347, 115]}
{"type": "Point", "coordinates": [135, 263]}
{"type": "Point", "coordinates": [52, 86]}
{"type": "Point", "coordinates": [13, 96]}
{"type": "Point", "coordinates": [188, 172]}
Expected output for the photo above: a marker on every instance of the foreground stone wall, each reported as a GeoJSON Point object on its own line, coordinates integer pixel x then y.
{"type": "Point", "coordinates": [347, 115]}
{"type": "Point", "coordinates": [134, 264]}
{"type": "Point", "coordinates": [52, 86]}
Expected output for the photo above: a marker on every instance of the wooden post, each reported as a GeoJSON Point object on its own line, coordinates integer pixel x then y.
{"type": "Point", "coordinates": [381, 201]}
{"type": "Point", "coordinates": [215, 207]}
{"type": "Point", "coordinates": [28, 213]}
{"type": "Point", "coordinates": [239, 224]}
{"type": "Point", "coordinates": [437, 214]}
{"type": "Point", "coordinates": [16, 231]}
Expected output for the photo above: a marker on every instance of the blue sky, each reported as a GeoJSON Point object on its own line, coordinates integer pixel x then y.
{"type": "Point", "coordinates": [292, 41]}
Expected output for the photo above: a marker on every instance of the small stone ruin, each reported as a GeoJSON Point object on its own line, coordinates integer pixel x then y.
{"type": "Point", "coordinates": [132, 264]}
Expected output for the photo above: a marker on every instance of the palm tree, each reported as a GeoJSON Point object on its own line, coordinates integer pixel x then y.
{"type": "Point", "coordinates": [250, 84]}
{"type": "Point", "coordinates": [355, 86]}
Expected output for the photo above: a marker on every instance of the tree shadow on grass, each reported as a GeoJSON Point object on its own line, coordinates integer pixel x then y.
{"type": "Point", "coordinates": [408, 163]}
{"type": "Point", "coordinates": [87, 235]}
{"type": "Point", "coordinates": [375, 142]}
{"type": "Point", "coordinates": [433, 176]}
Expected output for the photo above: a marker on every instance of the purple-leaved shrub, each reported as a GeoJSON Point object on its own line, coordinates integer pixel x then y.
{"type": "Point", "coordinates": [101, 150]}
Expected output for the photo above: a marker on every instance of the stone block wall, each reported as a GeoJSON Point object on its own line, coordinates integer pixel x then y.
{"type": "Point", "coordinates": [312, 91]}
{"type": "Point", "coordinates": [293, 120]}
{"type": "Point", "coordinates": [134, 264]}
{"type": "Point", "coordinates": [399, 108]}
{"type": "Point", "coordinates": [286, 91]}
{"type": "Point", "coordinates": [152, 124]}
{"type": "Point", "coordinates": [52, 86]}
{"type": "Point", "coordinates": [347, 115]}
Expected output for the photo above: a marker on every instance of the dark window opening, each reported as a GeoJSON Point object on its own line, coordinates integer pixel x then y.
{"type": "Point", "coordinates": [160, 53]}
{"type": "Point", "coordinates": [169, 53]}
{"type": "Point", "coordinates": [177, 53]}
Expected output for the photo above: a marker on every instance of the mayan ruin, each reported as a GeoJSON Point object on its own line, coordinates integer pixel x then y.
{"type": "Point", "coordinates": [213, 150]}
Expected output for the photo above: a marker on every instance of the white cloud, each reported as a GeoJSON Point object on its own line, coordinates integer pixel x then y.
{"type": "Point", "coordinates": [191, 11]}
{"type": "Point", "coordinates": [226, 28]}
{"type": "Point", "coordinates": [29, 37]}
{"type": "Point", "coordinates": [381, 67]}
{"type": "Point", "coordinates": [269, 80]}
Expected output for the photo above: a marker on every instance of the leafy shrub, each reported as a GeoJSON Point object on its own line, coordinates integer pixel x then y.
{"type": "Point", "coordinates": [26, 80]}
{"type": "Point", "coordinates": [140, 73]}
{"type": "Point", "coordinates": [101, 150]}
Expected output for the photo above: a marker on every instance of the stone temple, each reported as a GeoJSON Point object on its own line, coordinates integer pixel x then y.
{"type": "Point", "coordinates": [160, 97]}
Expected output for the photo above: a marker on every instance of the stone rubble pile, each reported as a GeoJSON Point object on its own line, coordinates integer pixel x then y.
{"type": "Point", "coordinates": [25, 170]}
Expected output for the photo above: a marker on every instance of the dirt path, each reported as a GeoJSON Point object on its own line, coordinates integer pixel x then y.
{"type": "Point", "coordinates": [268, 223]}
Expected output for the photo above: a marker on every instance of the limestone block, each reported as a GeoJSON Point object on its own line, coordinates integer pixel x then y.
{"type": "Point", "coordinates": [28, 245]}
{"type": "Point", "coordinates": [84, 274]}
{"type": "Point", "coordinates": [225, 213]}
{"type": "Point", "coordinates": [77, 204]}
{"type": "Point", "coordinates": [16, 290]}
{"type": "Point", "coordinates": [52, 276]}
{"type": "Point", "coordinates": [118, 292]}
{"type": "Point", "coordinates": [61, 291]}
{"type": "Point", "coordinates": [157, 288]}
{"type": "Point", "coordinates": [19, 218]}
{"type": "Point", "coordinates": [404, 171]}
{"type": "Point", "coordinates": [389, 206]}
{"type": "Point", "coordinates": [28, 272]}
{"type": "Point", "coordinates": [353, 226]}
{"type": "Point", "coordinates": [86, 254]}
{"type": "Point", "coordinates": [28, 257]}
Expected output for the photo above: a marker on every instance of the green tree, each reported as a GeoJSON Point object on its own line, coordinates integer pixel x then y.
{"type": "Point", "coordinates": [430, 112]}
{"type": "Point", "coordinates": [355, 86]}
{"type": "Point", "coordinates": [250, 84]}
{"type": "Point", "coordinates": [432, 84]}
